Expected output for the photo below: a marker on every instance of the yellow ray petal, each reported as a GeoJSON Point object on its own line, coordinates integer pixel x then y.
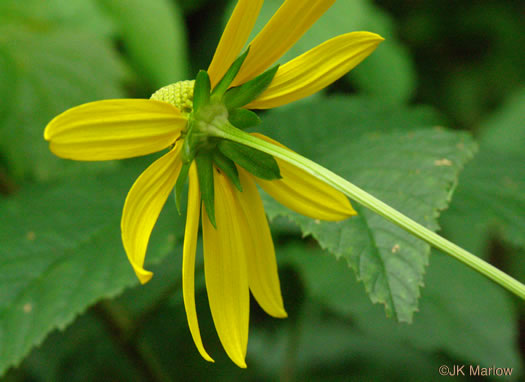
{"type": "Point", "coordinates": [305, 194]}
{"type": "Point", "coordinates": [262, 266]}
{"type": "Point", "coordinates": [143, 205]}
{"type": "Point", "coordinates": [226, 271]}
{"type": "Point", "coordinates": [114, 129]}
{"type": "Point", "coordinates": [316, 69]}
{"type": "Point", "coordinates": [188, 260]}
{"type": "Point", "coordinates": [283, 30]}
{"type": "Point", "coordinates": [233, 38]}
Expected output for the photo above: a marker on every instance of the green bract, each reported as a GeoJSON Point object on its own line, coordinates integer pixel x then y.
{"type": "Point", "coordinates": [213, 110]}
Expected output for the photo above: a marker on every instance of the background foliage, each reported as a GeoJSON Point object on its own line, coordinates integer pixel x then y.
{"type": "Point", "coordinates": [70, 306]}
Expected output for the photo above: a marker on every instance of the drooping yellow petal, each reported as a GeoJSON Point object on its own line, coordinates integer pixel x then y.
{"type": "Point", "coordinates": [114, 129]}
{"type": "Point", "coordinates": [305, 194]}
{"type": "Point", "coordinates": [262, 266]}
{"type": "Point", "coordinates": [316, 69]}
{"type": "Point", "coordinates": [226, 270]}
{"type": "Point", "coordinates": [283, 30]}
{"type": "Point", "coordinates": [188, 260]}
{"type": "Point", "coordinates": [233, 38]}
{"type": "Point", "coordinates": [143, 205]}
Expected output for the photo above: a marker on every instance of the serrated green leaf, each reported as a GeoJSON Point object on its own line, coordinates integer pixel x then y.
{"type": "Point", "coordinates": [61, 252]}
{"type": "Point", "coordinates": [155, 37]}
{"type": "Point", "coordinates": [461, 313]}
{"type": "Point", "coordinates": [82, 352]}
{"type": "Point", "coordinates": [61, 68]}
{"type": "Point", "coordinates": [389, 153]}
{"type": "Point", "coordinates": [490, 194]}
{"type": "Point", "coordinates": [388, 72]}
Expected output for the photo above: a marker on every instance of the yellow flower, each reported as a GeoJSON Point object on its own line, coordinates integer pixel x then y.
{"type": "Point", "coordinates": [238, 251]}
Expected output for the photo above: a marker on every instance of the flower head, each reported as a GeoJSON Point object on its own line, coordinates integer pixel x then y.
{"type": "Point", "coordinates": [187, 118]}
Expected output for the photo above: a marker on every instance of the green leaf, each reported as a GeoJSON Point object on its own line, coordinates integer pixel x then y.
{"type": "Point", "coordinates": [254, 161]}
{"type": "Point", "coordinates": [461, 313]}
{"type": "Point", "coordinates": [388, 72]}
{"type": "Point", "coordinates": [61, 68]}
{"type": "Point", "coordinates": [396, 156]}
{"type": "Point", "coordinates": [490, 194]}
{"type": "Point", "coordinates": [61, 252]}
{"type": "Point", "coordinates": [97, 345]}
{"type": "Point", "coordinates": [84, 351]}
{"type": "Point", "coordinates": [155, 37]}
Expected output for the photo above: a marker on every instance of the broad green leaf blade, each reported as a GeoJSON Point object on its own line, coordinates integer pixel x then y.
{"type": "Point", "coordinates": [490, 195]}
{"type": "Point", "coordinates": [460, 313]}
{"type": "Point", "coordinates": [61, 252]}
{"type": "Point", "coordinates": [61, 69]}
{"type": "Point", "coordinates": [395, 155]}
{"type": "Point", "coordinates": [388, 72]}
{"type": "Point", "coordinates": [84, 351]}
{"type": "Point", "coordinates": [155, 37]}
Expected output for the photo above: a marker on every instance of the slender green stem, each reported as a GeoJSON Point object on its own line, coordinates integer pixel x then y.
{"type": "Point", "coordinates": [374, 204]}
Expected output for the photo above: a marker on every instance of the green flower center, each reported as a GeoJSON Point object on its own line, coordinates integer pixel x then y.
{"type": "Point", "coordinates": [179, 94]}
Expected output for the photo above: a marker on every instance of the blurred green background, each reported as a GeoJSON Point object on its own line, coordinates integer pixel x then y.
{"type": "Point", "coordinates": [457, 64]}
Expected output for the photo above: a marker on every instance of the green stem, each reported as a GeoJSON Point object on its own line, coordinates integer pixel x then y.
{"type": "Point", "coordinates": [374, 204]}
